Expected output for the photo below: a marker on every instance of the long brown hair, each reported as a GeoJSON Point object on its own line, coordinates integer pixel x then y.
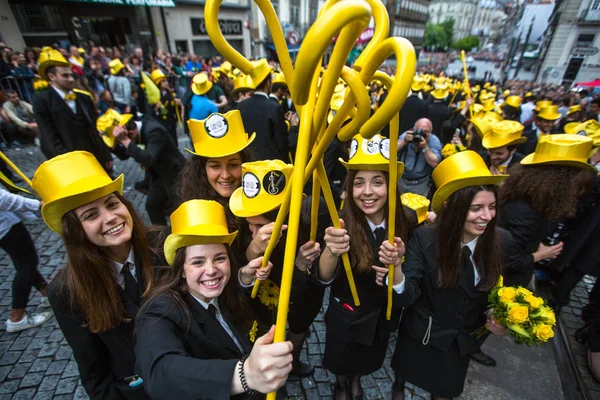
{"type": "Point", "coordinates": [172, 284]}
{"type": "Point", "coordinates": [89, 276]}
{"type": "Point", "coordinates": [192, 183]}
{"type": "Point", "coordinates": [360, 249]}
{"type": "Point", "coordinates": [450, 226]}
{"type": "Point", "coordinates": [552, 190]}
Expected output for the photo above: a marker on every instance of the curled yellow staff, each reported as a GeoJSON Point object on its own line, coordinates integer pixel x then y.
{"type": "Point", "coordinates": [16, 169]}
{"type": "Point", "coordinates": [467, 86]}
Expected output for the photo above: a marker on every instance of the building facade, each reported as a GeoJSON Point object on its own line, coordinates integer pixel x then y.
{"type": "Point", "coordinates": [571, 52]}
{"type": "Point", "coordinates": [488, 21]}
{"type": "Point", "coordinates": [408, 19]}
{"type": "Point", "coordinates": [461, 11]}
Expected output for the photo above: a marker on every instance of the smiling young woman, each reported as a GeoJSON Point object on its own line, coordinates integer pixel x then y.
{"type": "Point", "coordinates": [95, 298]}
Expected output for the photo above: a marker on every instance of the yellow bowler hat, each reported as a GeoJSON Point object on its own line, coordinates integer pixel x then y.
{"type": "Point", "coordinates": [574, 109]}
{"type": "Point", "coordinates": [459, 171]}
{"type": "Point", "coordinates": [504, 133]}
{"type": "Point", "coordinates": [513, 101]}
{"type": "Point", "coordinates": [50, 57]}
{"type": "Point", "coordinates": [197, 222]}
{"type": "Point", "coordinates": [201, 84]}
{"type": "Point", "coordinates": [115, 66]}
{"type": "Point", "coordinates": [157, 76]}
{"type": "Point", "coordinates": [242, 83]}
{"type": "Point", "coordinates": [549, 113]}
{"type": "Point", "coordinates": [261, 69]}
{"type": "Point", "coordinates": [572, 150]}
{"type": "Point", "coordinates": [370, 154]}
{"type": "Point", "coordinates": [541, 104]}
{"type": "Point", "coordinates": [418, 203]}
{"type": "Point", "coordinates": [587, 128]}
{"type": "Point", "coordinates": [108, 121]}
{"type": "Point", "coordinates": [69, 181]}
{"type": "Point", "coordinates": [482, 125]}
{"type": "Point", "coordinates": [219, 135]}
{"type": "Point", "coordinates": [263, 188]}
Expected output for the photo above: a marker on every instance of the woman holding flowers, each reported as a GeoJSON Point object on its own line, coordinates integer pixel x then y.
{"type": "Point", "coordinates": [444, 282]}
{"type": "Point", "coordinates": [357, 336]}
{"type": "Point", "coordinates": [194, 334]}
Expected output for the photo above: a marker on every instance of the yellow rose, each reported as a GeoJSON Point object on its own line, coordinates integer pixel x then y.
{"type": "Point", "coordinates": [533, 301]}
{"type": "Point", "coordinates": [548, 315]}
{"type": "Point", "coordinates": [517, 313]}
{"type": "Point", "coordinates": [524, 292]}
{"type": "Point", "coordinates": [507, 294]}
{"type": "Point", "coordinates": [543, 332]}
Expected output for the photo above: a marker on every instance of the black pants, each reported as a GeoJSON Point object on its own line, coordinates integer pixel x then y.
{"type": "Point", "coordinates": [157, 202]}
{"type": "Point", "coordinates": [18, 245]}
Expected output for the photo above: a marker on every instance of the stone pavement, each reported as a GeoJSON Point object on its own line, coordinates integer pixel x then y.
{"type": "Point", "coordinates": [38, 363]}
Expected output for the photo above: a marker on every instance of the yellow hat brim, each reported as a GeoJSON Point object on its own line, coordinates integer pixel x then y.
{"type": "Point", "coordinates": [261, 77]}
{"type": "Point", "coordinates": [175, 242]}
{"type": "Point", "coordinates": [199, 92]}
{"type": "Point", "coordinates": [550, 117]}
{"type": "Point", "coordinates": [245, 211]}
{"type": "Point", "coordinates": [373, 167]}
{"type": "Point", "coordinates": [116, 69]}
{"type": "Point", "coordinates": [442, 194]}
{"type": "Point", "coordinates": [216, 149]}
{"type": "Point", "coordinates": [54, 211]}
{"type": "Point", "coordinates": [109, 139]}
{"type": "Point", "coordinates": [528, 160]}
{"type": "Point", "coordinates": [494, 143]}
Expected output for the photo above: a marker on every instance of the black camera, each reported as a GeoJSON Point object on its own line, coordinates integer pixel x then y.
{"type": "Point", "coordinates": [418, 135]}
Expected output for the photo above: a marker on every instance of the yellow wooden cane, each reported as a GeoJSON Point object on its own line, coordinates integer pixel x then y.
{"type": "Point", "coordinates": [314, 208]}
{"type": "Point", "coordinates": [16, 169]}
{"type": "Point", "coordinates": [467, 86]}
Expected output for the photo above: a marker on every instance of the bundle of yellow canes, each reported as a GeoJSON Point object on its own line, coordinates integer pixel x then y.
{"type": "Point", "coordinates": [526, 317]}
{"type": "Point", "coordinates": [451, 149]}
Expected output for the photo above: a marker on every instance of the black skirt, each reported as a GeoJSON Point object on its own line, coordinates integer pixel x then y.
{"type": "Point", "coordinates": [441, 373]}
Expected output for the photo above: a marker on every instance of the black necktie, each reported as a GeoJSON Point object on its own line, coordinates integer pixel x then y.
{"type": "Point", "coordinates": [131, 285]}
{"type": "Point", "coordinates": [380, 235]}
{"type": "Point", "coordinates": [468, 267]}
{"type": "Point", "coordinates": [212, 310]}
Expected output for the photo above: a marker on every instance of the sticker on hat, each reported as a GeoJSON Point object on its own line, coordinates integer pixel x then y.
{"type": "Point", "coordinates": [216, 126]}
{"type": "Point", "coordinates": [250, 185]}
{"type": "Point", "coordinates": [371, 146]}
{"type": "Point", "coordinates": [274, 182]}
{"type": "Point", "coordinates": [353, 148]}
{"type": "Point", "coordinates": [384, 148]}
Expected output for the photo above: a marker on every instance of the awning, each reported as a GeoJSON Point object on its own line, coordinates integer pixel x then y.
{"type": "Point", "coordinates": [144, 3]}
{"type": "Point", "coordinates": [595, 83]}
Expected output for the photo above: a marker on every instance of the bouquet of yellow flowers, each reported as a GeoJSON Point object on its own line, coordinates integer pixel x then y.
{"type": "Point", "coordinates": [451, 149]}
{"type": "Point", "coordinates": [40, 85]}
{"type": "Point", "coordinates": [526, 317]}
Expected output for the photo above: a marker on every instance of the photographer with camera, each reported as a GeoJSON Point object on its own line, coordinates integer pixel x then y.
{"type": "Point", "coordinates": [420, 151]}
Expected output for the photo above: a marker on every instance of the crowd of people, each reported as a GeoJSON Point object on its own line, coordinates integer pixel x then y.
{"type": "Point", "coordinates": [487, 172]}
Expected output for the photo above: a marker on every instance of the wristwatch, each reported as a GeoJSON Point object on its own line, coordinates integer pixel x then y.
{"type": "Point", "coordinates": [425, 149]}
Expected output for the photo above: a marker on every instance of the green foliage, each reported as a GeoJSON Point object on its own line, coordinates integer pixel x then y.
{"type": "Point", "coordinates": [466, 43]}
{"type": "Point", "coordinates": [448, 26]}
{"type": "Point", "coordinates": [436, 36]}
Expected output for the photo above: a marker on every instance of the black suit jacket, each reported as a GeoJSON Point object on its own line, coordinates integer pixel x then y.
{"type": "Point", "coordinates": [528, 228]}
{"type": "Point", "coordinates": [529, 146]}
{"type": "Point", "coordinates": [103, 358]}
{"type": "Point", "coordinates": [161, 157]}
{"type": "Point", "coordinates": [62, 131]}
{"type": "Point", "coordinates": [438, 113]}
{"type": "Point", "coordinates": [413, 109]}
{"type": "Point", "coordinates": [454, 312]}
{"type": "Point", "coordinates": [183, 352]}
{"type": "Point", "coordinates": [265, 117]}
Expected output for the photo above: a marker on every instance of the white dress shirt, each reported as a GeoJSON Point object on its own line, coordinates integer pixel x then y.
{"type": "Point", "coordinates": [14, 209]}
{"type": "Point", "coordinates": [222, 321]}
{"type": "Point", "coordinates": [71, 103]}
{"type": "Point", "coordinates": [119, 267]}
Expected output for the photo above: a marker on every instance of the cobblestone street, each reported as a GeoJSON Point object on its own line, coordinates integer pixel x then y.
{"type": "Point", "coordinates": [38, 363]}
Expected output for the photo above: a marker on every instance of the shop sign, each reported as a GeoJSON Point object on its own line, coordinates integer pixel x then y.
{"type": "Point", "coordinates": [228, 26]}
{"type": "Point", "coordinates": [146, 3]}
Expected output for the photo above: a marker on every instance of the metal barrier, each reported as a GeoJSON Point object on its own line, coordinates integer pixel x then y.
{"type": "Point", "coordinates": [19, 85]}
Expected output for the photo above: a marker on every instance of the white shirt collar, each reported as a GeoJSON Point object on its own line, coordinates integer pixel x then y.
{"type": "Point", "coordinates": [261, 93]}
{"type": "Point", "coordinates": [214, 302]}
{"type": "Point", "coordinates": [373, 226]}
{"type": "Point", "coordinates": [273, 96]}
{"type": "Point", "coordinates": [60, 92]}
{"type": "Point", "coordinates": [130, 259]}
{"type": "Point", "coordinates": [472, 244]}
{"type": "Point", "coordinates": [139, 126]}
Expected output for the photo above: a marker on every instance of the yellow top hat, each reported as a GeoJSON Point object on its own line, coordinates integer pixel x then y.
{"type": "Point", "coordinates": [226, 67]}
{"type": "Point", "coordinates": [572, 150]}
{"type": "Point", "coordinates": [69, 181]}
{"type": "Point", "coordinates": [493, 88]}
{"type": "Point", "coordinates": [115, 66]}
{"type": "Point", "coordinates": [440, 94]}
{"type": "Point", "coordinates": [279, 77]}
{"type": "Point", "coordinates": [513, 101]}
{"type": "Point", "coordinates": [541, 104]}
{"type": "Point", "coordinates": [549, 113]}
{"type": "Point", "coordinates": [587, 128]}
{"type": "Point", "coordinates": [263, 188]}
{"type": "Point", "coordinates": [81, 50]}
{"type": "Point", "coordinates": [504, 133]}
{"type": "Point", "coordinates": [242, 82]}
{"type": "Point", "coordinates": [108, 121]}
{"type": "Point", "coordinates": [458, 171]}
{"type": "Point", "coordinates": [418, 203]}
{"type": "Point", "coordinates": [574, 109]}
{"type": "Point", "coordinates": [50, 58]}
{"type": "Point", "coordinates": [219, 135]}
{"type": "Point", "coordinates": [528, 94]}
{"type": "Point", "coordinates": [157, 76]}
{"type": "Point", "coordinates": [201, 84]}
{"type": "Point", "coordinates": [482, 125]}
{"type": "Point", "coordinates": [494, 116]}
{"type": "Point", "coordinates": [486, 85]}
{"type": "Point", "coordinates": [337, 100]}
{"type": "Point", "coordinates": [427, 88]}
{"type": "Point", "coordinates": [476, 88]}
{"type": "Point", "coordinates": [417, 84]}
{"type": "Point", "coordinates": [261, 70]}
{"type": "Point", "coordinates": [488, 105]}
{"type": "Point", "coordinates": [370, 154]}
{"type": "Point", "coordinates": [506, 93]}
{"type": "Point", "coordinates": [197, 222]}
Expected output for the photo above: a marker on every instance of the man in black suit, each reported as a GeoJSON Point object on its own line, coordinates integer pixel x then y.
{"type": "Point", "coordinates": [265, 117]}
{"type": "Point", "coordinates": [438, 112]}
{"type": "Point", "coordinates": [67, 120]}
{"type": "Point", "coordinates": [544, 122]}
{"type": "Point", "coordinates": [160, 158]}
{"type": "Point", "coordinates": [413, 109]}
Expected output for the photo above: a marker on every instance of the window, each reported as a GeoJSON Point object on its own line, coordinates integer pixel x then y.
{"type": "Point", "coordinates": [313, 11]}
{"type": "Point", "coordinates": [587, 37]}
{"type": "Point", "coordinates": [295, 13]}
{"type": "Point", "coordinates": [595, 5]}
